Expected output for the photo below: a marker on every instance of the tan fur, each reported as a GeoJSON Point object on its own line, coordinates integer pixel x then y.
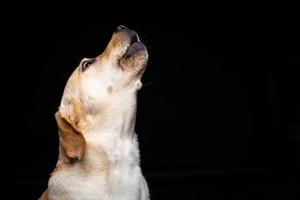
{"type": "Point", "coordinates": [44, 196]}
{"type": "Point", "coordinates": [98, 148]}
{"type": "Point", "coordinates": [71, 139]}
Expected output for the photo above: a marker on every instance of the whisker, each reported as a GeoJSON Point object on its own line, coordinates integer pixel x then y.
{"type": "Point", "coordinates": [147, 84]}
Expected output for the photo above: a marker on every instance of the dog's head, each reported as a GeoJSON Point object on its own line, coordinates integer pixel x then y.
{"type": "Point", "coordinates": [101, 90]}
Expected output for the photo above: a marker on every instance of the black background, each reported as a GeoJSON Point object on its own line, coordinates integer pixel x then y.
{"type": "Point", "coordinates": [218, 116]}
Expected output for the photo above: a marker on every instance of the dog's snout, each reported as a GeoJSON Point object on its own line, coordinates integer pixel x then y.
{"type": "Point", "coordinates": [120, 28]}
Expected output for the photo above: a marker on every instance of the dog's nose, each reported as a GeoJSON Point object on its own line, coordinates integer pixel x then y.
{"type": "Point", "coordinates": [120, 28]}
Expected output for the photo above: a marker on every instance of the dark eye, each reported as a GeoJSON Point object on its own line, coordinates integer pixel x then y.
{"type": "Point", "coordinates": [85, 64]}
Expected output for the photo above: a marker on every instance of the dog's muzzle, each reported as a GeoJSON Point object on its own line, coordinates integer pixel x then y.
{"type": "Point", "coordinates": [135, 44]}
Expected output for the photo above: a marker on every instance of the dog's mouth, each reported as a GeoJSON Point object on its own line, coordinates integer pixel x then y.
{"type": "Point", "coordinates": [135, 45]}
{"type": "Point", "coordinates": [126, 48]}
{"type": "Point", "coordinates": [124, 43]}
{"type": "Point", "coordinates": [133, 49]}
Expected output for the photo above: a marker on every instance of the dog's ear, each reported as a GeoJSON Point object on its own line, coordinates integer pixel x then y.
{"type": "Point", "coordinates": [71, 139]}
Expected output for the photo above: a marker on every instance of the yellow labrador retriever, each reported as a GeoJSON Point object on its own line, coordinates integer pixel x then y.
{"type": "Point", "coordinates": [98, 151]}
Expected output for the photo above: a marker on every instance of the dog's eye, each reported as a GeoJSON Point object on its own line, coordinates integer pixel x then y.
{"type": "Point", "coordinates": [85, 64]}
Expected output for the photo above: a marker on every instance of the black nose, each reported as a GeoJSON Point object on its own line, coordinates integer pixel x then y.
{"type": "Point", "coordinates": [120, 28]}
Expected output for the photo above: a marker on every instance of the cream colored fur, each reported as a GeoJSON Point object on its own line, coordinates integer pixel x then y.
{"type": "Point", "coordinates": [99, 154]}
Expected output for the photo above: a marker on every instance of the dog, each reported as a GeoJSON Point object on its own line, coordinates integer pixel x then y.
{"type": "Point", "coordinates": [98, 148]}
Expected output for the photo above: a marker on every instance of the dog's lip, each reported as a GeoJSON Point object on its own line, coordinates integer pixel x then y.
{"type": "Point", "coordinates": [135, 38]}
{"type": "Point", "coordinates": [134, 47]}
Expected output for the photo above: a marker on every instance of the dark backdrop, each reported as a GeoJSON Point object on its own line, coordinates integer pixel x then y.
{"type": "Point", "coordinates": [218, 116]}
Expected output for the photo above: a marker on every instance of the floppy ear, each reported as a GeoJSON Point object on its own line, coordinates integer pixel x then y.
{"type": "Point", "coordinates": [71, 140]}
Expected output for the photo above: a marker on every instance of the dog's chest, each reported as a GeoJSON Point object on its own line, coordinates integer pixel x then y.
{"type": "Point", "coordinates": [122, 182]}
{"type": "Point", "coordinates": [122, 179]}
{"type": "Point", "coordinates": [124, 174]}
{"type": "Point", "coordinates": [125, 182]}
{"type": "Point", "coordinates": [69, 184]}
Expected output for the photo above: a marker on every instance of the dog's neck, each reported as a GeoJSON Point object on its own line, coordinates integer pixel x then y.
{"type": "Point", "coordinates": [112, 132]}
{"type": "Point", "coordinates": [111, 150]}
{"type": "Point", "coordinates": [117, 120]}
